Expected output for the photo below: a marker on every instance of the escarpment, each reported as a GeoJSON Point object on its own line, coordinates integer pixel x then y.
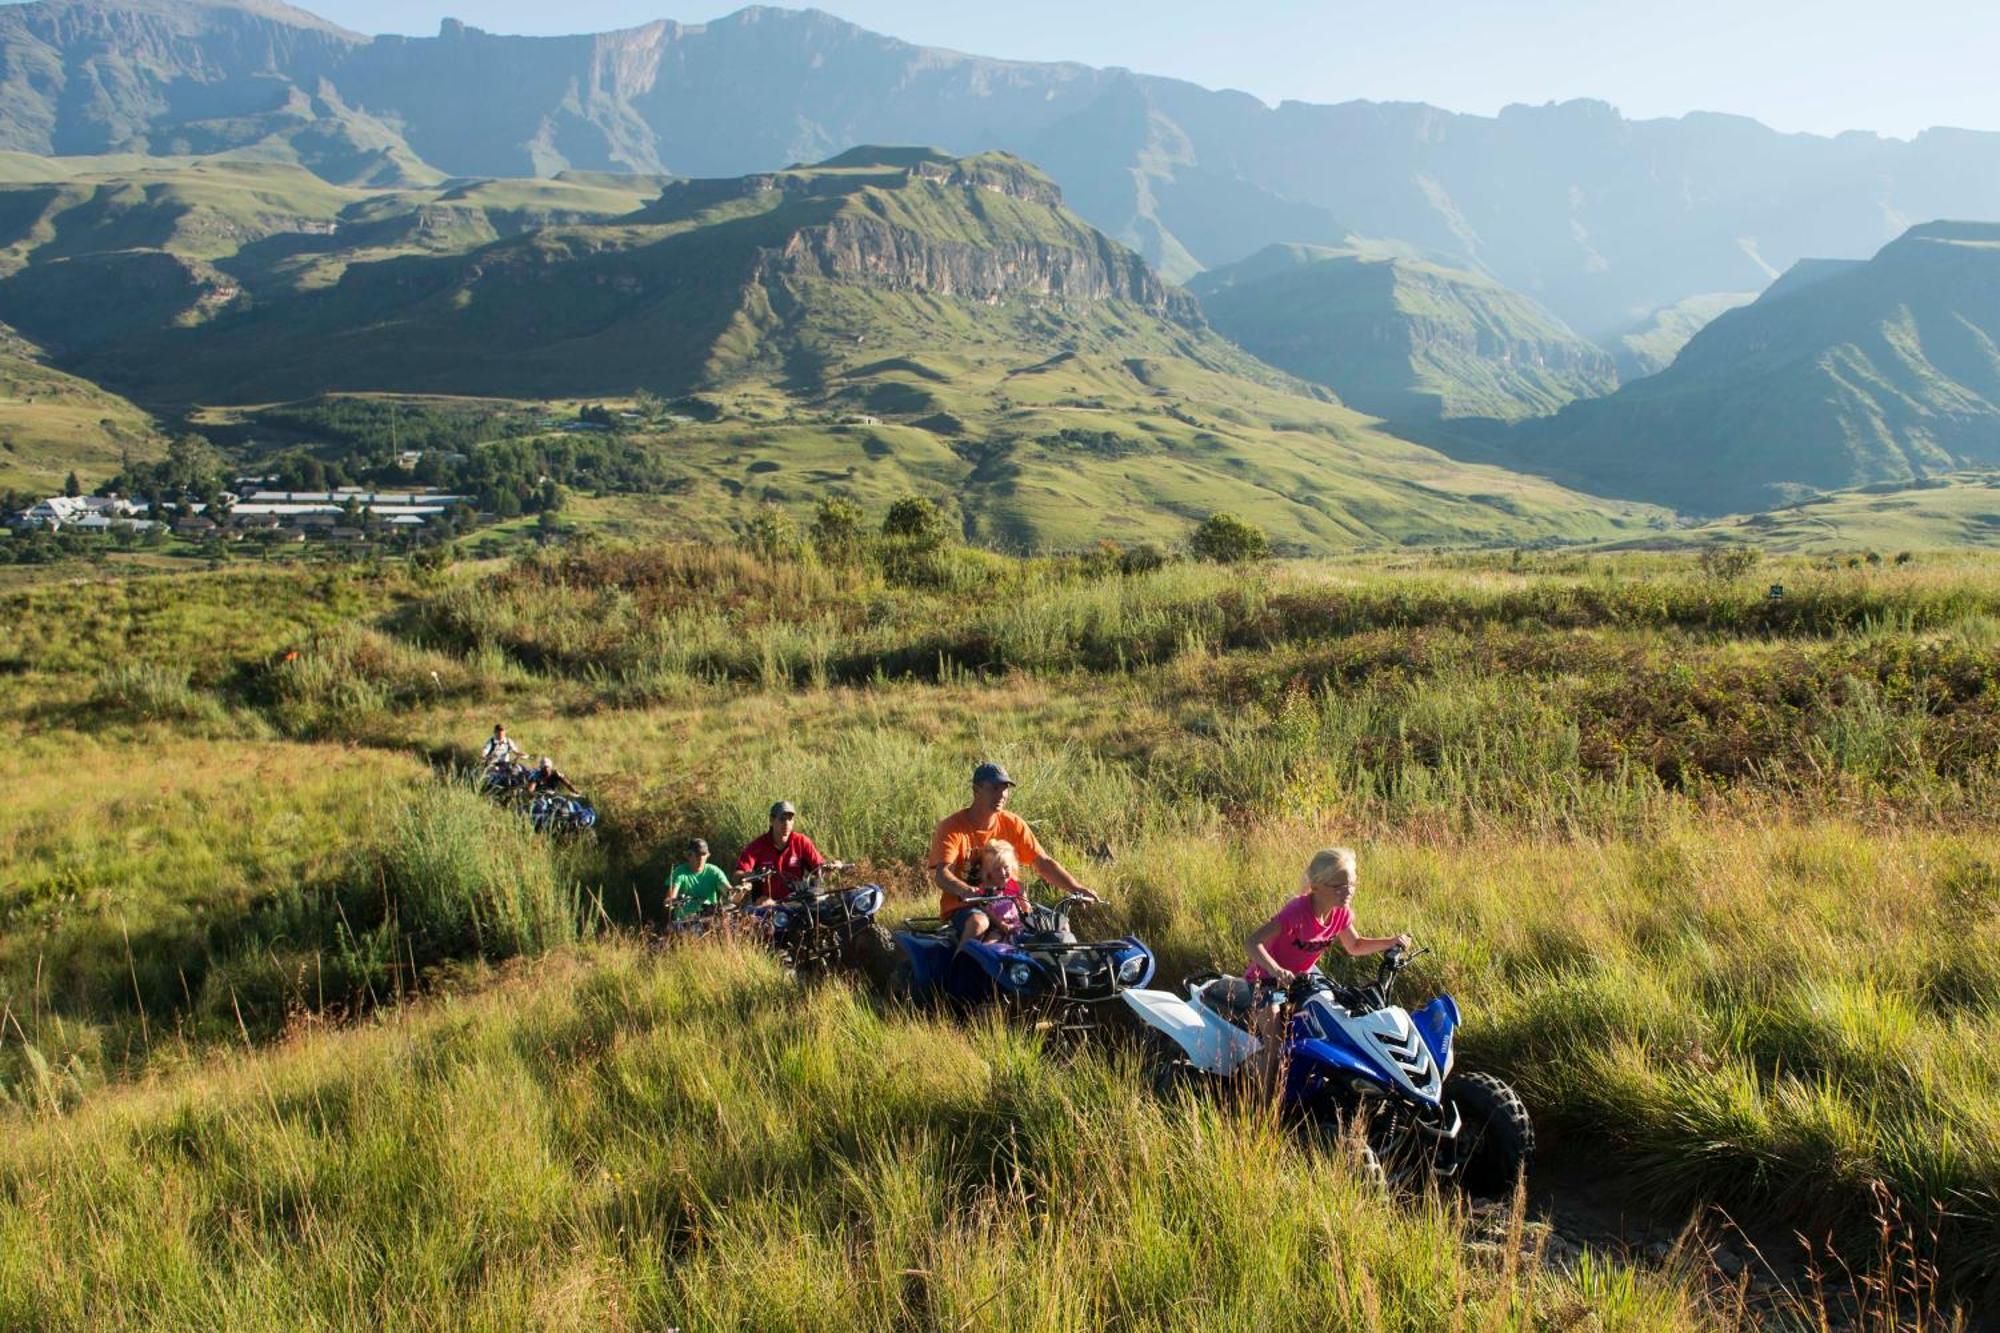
{"type": "Point", "coordinates": [861, 249]}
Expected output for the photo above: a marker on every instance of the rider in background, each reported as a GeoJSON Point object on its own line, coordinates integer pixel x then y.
{"type": "Point", "coordinates": [547, 777]}
{"type": "Point", "coordinates": [1293, 939]}
{"type": "Point", "coordinates": [986, 821]}
{"type": "Point", "coordinates": [791, 854]}
{"type": "Point", "coordinates": [500, 750]}
{"type": "Point", "coordinates": [695, 884]}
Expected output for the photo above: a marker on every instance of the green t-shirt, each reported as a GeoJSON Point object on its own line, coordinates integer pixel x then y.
{"type": "Point", "coordinates": [697, 890]}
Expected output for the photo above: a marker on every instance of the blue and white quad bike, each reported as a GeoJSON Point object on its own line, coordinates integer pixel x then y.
{"type": "Point", "coordinates": [1354, 1059]}
{"type": "Point", "coordinates": [817, 924]}
{"type": "Point", "coordinates": [1045, 974]}
{"type": "Point", "coordinates": [554, 813]}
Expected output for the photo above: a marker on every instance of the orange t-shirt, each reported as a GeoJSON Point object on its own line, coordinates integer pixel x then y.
{"type": "Point", "coordinates": [956, 837]}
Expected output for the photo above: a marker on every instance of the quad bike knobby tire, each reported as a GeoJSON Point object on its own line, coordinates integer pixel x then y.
{"type": "Point", "coordinates": [1497, 1139]}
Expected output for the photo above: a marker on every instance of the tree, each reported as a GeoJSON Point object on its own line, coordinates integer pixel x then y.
{"type": "Point", "coordinates": [916, 521]}
{"type": "Point", "coordinates": [1229, 540]}
{"type": "Point", "coordinates": [192, 465]}
{"type": "Point", "coordinates": [71, 486]}
{"type": "Point", "coordinates": [838, 530]}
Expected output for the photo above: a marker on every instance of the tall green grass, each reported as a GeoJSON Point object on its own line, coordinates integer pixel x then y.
{"type": "Point", "coordinates": [693, 1142]}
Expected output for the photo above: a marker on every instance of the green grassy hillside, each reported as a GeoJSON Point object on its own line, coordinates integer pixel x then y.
{"type": "Point", "coordinates": [1650, 346]}
{"type": "Point", "coordinates": [53, 424]}
{"type": "Point", "coordinates": [95, 250]}
{"type": "Point", "coordinates": [1850, 375]}
{"type": "Point", "coordinates": [1402, 338]}
{"type": "Point", "coordinates": [891, 322]}
{"type": "Point", "coordinates": [1952, 512]}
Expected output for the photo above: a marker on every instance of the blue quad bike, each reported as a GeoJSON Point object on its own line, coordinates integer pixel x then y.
{"type": "Point", "coordinates": [1361, 1067]}
{"type": "Point", "coordinates": [560, 815]}
{"type": "Point", "coordinates": [817, 924]}
{"type": "Point", "coordinates": [505, 782]}
{"type": "Point", "coordinates": [1045, 974]}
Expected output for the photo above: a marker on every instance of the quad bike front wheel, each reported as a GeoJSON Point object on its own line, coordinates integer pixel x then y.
{"type": "Point", "coordinates": [873, 953]}
{"type": "Point", "coordinates": [1496, 1140]}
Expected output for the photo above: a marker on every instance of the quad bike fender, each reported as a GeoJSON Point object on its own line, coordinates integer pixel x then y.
{"type": "Point", "coordinates": [1212, 1044]}
{"type": "Point", "coordinates": [1315, 1064]}
{"type": "Point", "coordinates": [930, 958]}
{"type": "Point", "coordinates": [1437, 1021]}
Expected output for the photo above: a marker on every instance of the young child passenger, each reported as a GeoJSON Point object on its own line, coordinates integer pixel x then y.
{"type": "Point", "coordinates": [996, 869]}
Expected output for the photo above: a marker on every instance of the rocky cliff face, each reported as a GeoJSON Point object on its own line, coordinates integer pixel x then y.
{"type": "Point", "coordinates": [861, 249]}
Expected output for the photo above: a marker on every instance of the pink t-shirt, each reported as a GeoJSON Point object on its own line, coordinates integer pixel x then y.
{"type": "Point", "coordinates": [1302, 937]}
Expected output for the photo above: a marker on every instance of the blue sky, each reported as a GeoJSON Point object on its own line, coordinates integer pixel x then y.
{"type": "Point", "coordinates": [1823, 67]}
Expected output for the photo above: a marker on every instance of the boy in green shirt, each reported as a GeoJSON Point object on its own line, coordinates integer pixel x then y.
{"type": "Point", "coordinates": [695, 883]}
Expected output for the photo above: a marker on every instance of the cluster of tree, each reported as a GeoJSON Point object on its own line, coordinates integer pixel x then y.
{"type": "Point", "coordinates": [42, 547]}
{"type": "Point", "coordinates": [372, 431]}
{"type": "Point", "coordinates": [911, 544]}
{"type": "Point", "coordinates": [191, 473]}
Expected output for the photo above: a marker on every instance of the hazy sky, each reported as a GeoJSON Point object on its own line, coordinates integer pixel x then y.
{"type": "Point", "coordinates": [1825, 66]}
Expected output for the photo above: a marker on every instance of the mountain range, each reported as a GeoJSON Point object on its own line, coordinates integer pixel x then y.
{"type": "Point", "coordinates": [205, 202]}
{"type": "Point", "coordinates": [1842, 374]}
{"type": "Point", "coordinates": [893, 320]}
{"type": "Point", "coordinates": [1402, 338]}
{"type": "Point", "coordinates": [1599, 218]}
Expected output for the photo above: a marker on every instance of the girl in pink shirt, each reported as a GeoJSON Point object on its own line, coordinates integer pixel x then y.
{"type": "Point", "coordinates": [1293, 939]}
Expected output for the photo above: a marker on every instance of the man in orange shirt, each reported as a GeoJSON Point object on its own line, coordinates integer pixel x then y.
{"type": "Point", "coordinates": [986, 820]}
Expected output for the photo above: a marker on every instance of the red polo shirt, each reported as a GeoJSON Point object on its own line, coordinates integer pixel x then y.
{"type": "Point", "coordinates": [793, 858]}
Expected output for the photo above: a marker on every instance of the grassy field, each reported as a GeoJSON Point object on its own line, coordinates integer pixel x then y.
{"type": "Point", "coordinates": [1714, 879]}
{"type": "Point", "coordinates": [1953, 511]}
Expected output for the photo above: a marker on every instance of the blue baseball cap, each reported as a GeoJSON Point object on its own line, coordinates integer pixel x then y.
{"type": "Point", "coordinates": [994, 774]}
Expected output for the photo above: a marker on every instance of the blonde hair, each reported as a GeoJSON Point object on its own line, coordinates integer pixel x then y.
{"type": "Point", "coordinates": [1330, 866]}
{"type": "Point", "coordinates": [1001, 848]}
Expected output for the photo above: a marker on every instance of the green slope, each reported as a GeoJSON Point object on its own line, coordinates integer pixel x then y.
{"type": "Point", "coordinates": [1847, 375]}
{"type": "Point", "coordinates": [1954, 511]}
{"type": "Point", "coordinates": [52, 424]}
{"type": "Point", "coordinates": [1402, 338]}
{"type": "Point", "coordinates": [1650, 346]}
{"type": "Point", "coordinates": [890, 321]}
{"type": "Point", "coordinates": [92, 249]}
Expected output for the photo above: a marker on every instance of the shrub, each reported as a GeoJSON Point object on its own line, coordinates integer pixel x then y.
{"type": "Point", "coordinates": [1229, 540]}
{"type": "Point", "coordinates": [916, 521]}
{"type": "Point", "coordinates": [774, 535]}
{"type": "Point", "coordinates": [1141, 559]}
{"type": "Point", "coordinates": [839, 530]}
{"type": "Point", "coordinates": [1727, 561]}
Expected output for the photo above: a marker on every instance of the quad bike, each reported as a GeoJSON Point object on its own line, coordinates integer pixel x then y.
{"type": "Point", "coordinates": [505, 782]}
{"type": "Point", "coordinates": [1358, 1065]}
{"type": "Point", "coordinates": [1044, 973]}
{"type": "Point", "coordinates": [816, 924]}
{"type": "Point", "coordinates": [561, 815]}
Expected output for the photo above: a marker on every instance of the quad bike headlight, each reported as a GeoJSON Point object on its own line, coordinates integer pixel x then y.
{"type": "Point", "coordinates": [1019, 975]}
{"type": "Point", "coordinates": [1131, 970]}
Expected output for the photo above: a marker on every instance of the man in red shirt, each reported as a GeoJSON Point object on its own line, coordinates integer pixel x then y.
{"type": "Point", "coordinates": [789, 853]}
{"type": "Point", "coordinates": [986, 820]}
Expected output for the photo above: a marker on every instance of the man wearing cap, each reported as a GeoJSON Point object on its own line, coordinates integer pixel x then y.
{"type": "Point", "coordinates": [695, 884]}
{"type": "Point", "coordinates": [791, 854]}
{"type": "Point", "coordinates": [986, 820]}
